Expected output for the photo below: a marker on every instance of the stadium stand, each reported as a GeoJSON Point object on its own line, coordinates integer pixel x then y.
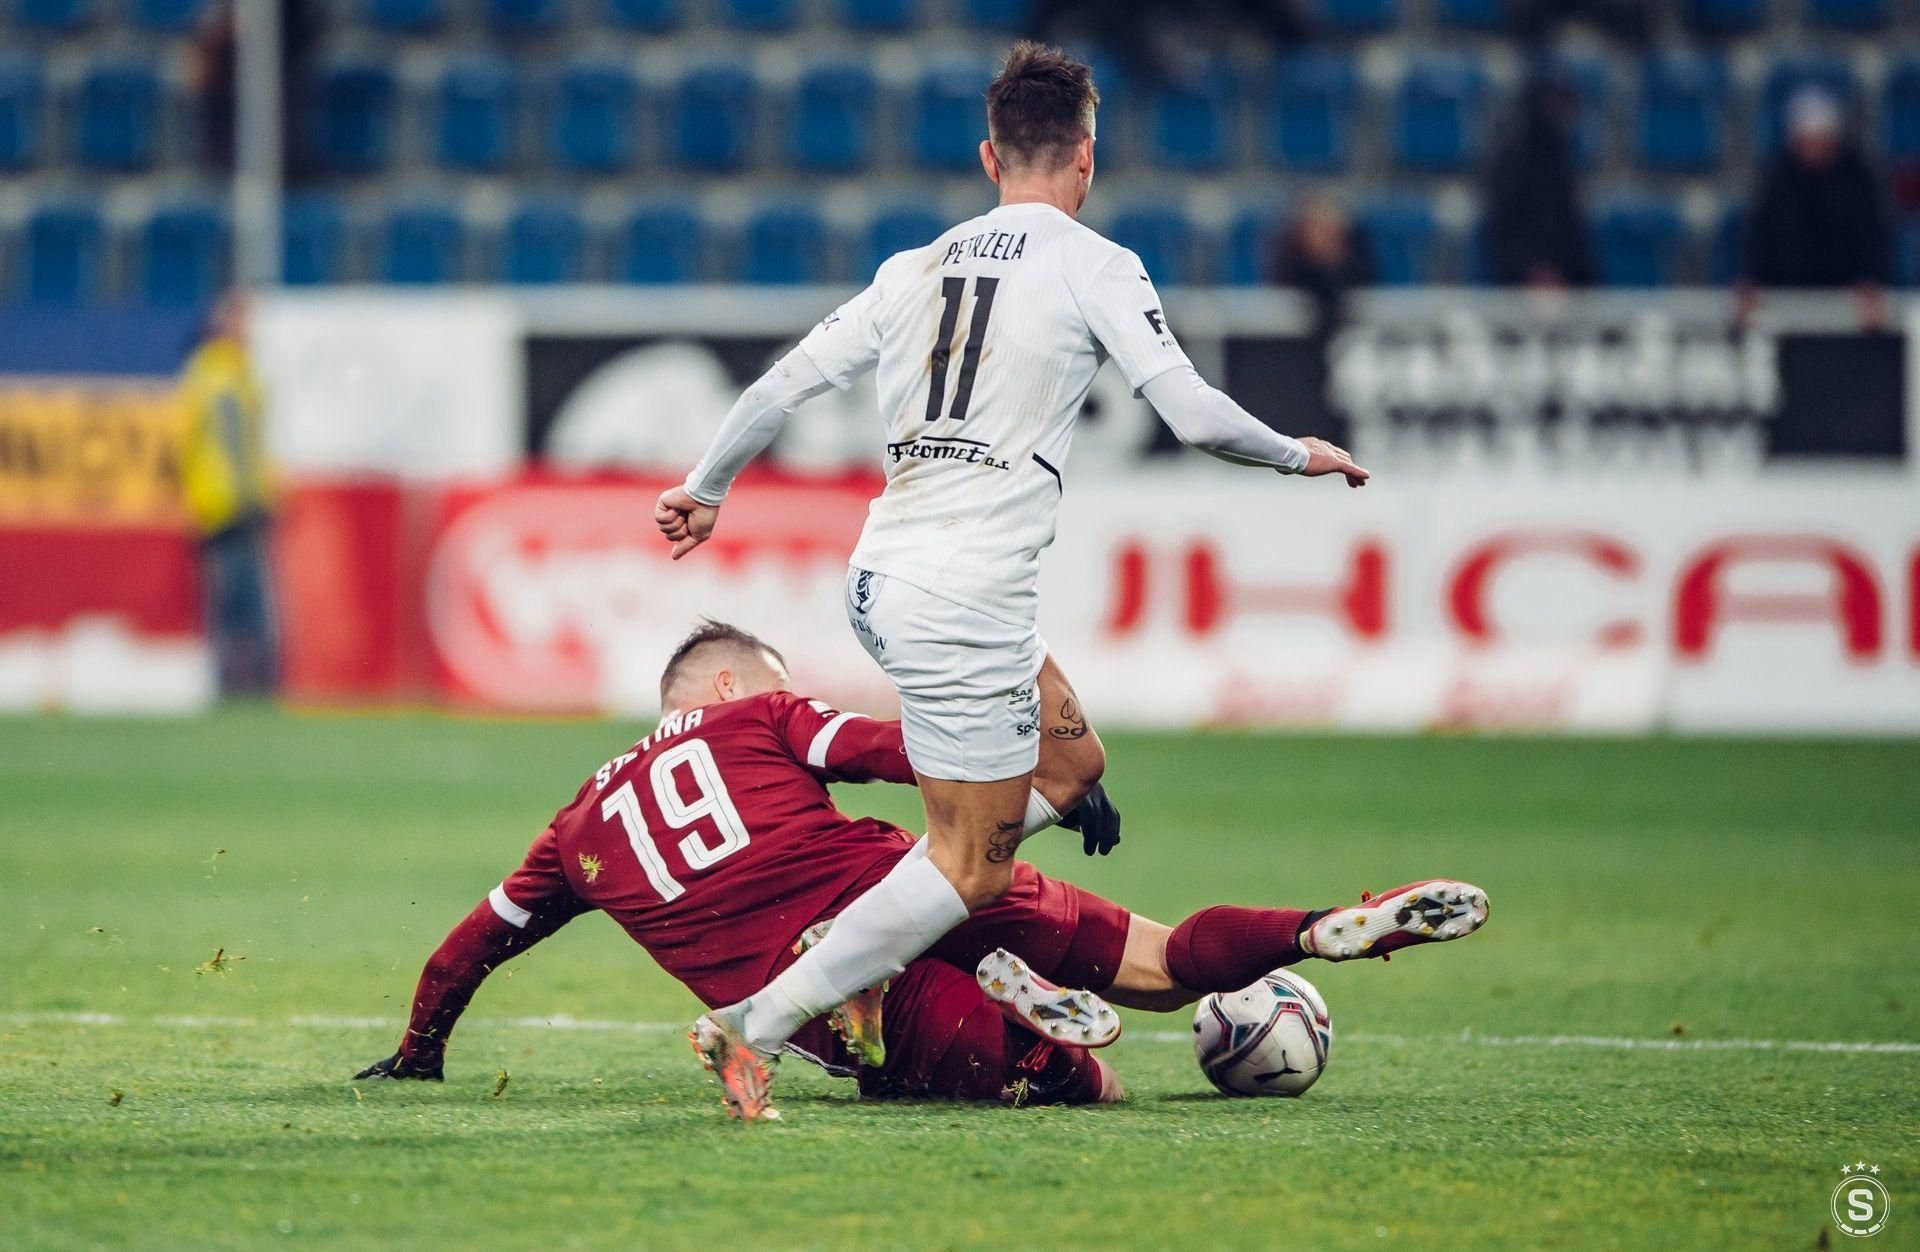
{"type": "Point", "coordinates": [116, 112]}
{"type": "Point", "coordinates": [63, 254]}
{"type": "Point", "coordinates": [314, 239]}
{"type": "Point", "coordinates": [594, 117]}
{"type": "Point", "coordinates": [714, 114]}
{"type": "Point", "coordinates": [23, 102]}
{"type": "Point", "coordinates": [422, 242]}
{"type": "Point", "coordinates": [832, 121]}
{"type": "Point", "coordinates": [545, 242]}
{"type": "Point", "coordinates": [1637, 241]}
{"type": "Point", "coordinates": [181, 252]}
{"type": "Point", "coordinates": [663, 243]}
{"type": "Point", "coordinates": [477, 105]}
{"type": "Point", "coordinates": [785, 242]}
{"type": "Point", "coordinates": [1311, 112]}
{"type": "Point", "coordinates": [475, 133]}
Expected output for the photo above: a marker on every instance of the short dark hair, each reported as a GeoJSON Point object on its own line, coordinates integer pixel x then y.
{"type": "Point", "coordinates": [708, 633]}
{"type": "Point", "coordinates": [1040, 106]}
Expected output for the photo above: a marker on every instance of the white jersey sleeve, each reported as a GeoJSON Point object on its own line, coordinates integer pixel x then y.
{"type": "Point", "coordinates": [846, 343]}
{"type": "Point", "coordinates": [1124, 313]}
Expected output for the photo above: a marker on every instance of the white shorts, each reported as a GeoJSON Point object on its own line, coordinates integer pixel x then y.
{"type": "Point", "coordinates": [969, 684]}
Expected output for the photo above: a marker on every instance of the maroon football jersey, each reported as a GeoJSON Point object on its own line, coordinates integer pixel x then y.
{"type": "Point", "coordinates": [713, 840]}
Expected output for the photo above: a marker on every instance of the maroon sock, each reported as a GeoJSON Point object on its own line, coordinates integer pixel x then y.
{"type": "Point", "coordinates": [1226, 947]}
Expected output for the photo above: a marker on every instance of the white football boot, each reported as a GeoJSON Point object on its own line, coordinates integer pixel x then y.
{"type": "Point", "coordinates": [1059, 1014]}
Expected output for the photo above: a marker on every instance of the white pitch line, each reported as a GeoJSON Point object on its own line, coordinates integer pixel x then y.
{"type": "Point", "coordinates": [1614, 1043]}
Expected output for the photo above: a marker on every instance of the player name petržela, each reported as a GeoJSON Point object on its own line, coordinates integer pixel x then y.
{"type": "Point", "coordinates": [991, 245]}
{"type": "Point", "coordinates": [944, 448]}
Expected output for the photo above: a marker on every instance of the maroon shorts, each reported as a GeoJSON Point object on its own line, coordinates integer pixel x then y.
{"type": "Point", "coordinates": [1067, 934]}
{"type": "Point", "coordinates": [944, 1038]}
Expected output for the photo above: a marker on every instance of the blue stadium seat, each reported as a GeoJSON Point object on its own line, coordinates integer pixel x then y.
{"type": "Point", "coordinates": [1252, 241]}
{"type": "Point", "coordinates": [1637, 242]}
{"type": "Point", "coordinates": [996, 14]}
{"type": "Point", "coordinates": [55, 17]}
{"type": "Point", "coordinates": [880, 15]}
{"type": "Point", "coordinates": [181, 254]}
{"type": "Point", "coordinates": [116, 111]}
{"type": "Point", "coordinates": [23, 111]}
{"type": "Point", "coordinates": [1438, 113]}
{"type": "Point", "coordinates": [167, 15]}
{"type": "Point", "coordinates": [1833, 74]}
{"type": "Point", "coordinates": [897, 229]}
{"type": "Point", "coordinates": [714, 111]}
{"type": "Point", "coordinates": [404, 16]}
{"type": "Point", "coordinates": [1358, 17]}
{"type": "Point", "coordinates": [649, 16]}
{"type": "Point", "coordinates": [1899, 111]}
{"type": "Point", "coordinates": [477, 106]}
{"type": "Point", "coordinates": [1682, 98]}
{"type": "Point", "coordinates": [1193, 128]}
{"type": "Point", "coordinates": [831, 125]}
{"type": "Point", "coordinates": [63, 254]}
{"type": "Point", "coordinates": [545, 242]}
{"type": "Point", "coordinates": [422, 243]}
{"type": "Point", "coordinates": [1315, 95]}
{"type": "Point", "coordinates": [663, 243]}
{"type": "Point", "coordinates": [1402, 237]}
{"type": "Point", "coordinates": [1165, 241]}
{"type": "Point", "coordinates": [949, 118]}
{"type": "Point", "coordinates": [760, 15]}
{"type": "Point", "coordinates": [524, 17]}
{"type": "Point", "coordinates": [1725, 17]}
{"type": "Point", "coordinates": [313, 239]}
{"type": "Point", "coordinates": [1906, 252]}
{"type": "Point", "coordinates": [1849, 14]}
{"type": "Point", "coordinates": [352, 119]}
{"type": "Point", "coordinates": [1476, 14]}
{"type": "Point", "coordinates": [595, 117]}
{"type": "Point", "coordinates": [784, 243]}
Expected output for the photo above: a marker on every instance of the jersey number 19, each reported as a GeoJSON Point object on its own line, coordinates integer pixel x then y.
{"type": "Point", "coordinates": [710, 801]}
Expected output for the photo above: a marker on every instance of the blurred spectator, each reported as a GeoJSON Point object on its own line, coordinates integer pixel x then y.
{"type": "Point", "coordinates": [1539, 21]}
{"type": "Point", "coordinates": [214, 80]}
{"type": "Point", "coordinates": [1816, 218]}
{"type": "Point", "coordinates": [1534, 230]}
{"type": "Point", "coordinates": [226, 480]}
{"type": "Point", "coordinates": [1324, 256]}
{"type": "Point", "coordinates": [1155, 43]}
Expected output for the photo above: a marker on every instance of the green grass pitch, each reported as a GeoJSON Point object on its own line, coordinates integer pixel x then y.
{"type": "Point", "coordinates": [1690, 892]}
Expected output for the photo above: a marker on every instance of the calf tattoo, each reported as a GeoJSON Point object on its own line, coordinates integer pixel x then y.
{"type": "Point", "coordinates": [1004, 839]}
{"type": "Point", "coordinates": [1072, 725]}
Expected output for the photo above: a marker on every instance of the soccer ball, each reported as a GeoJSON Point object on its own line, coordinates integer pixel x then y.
{"type": "Point", "coordinates": [1270, 1039]}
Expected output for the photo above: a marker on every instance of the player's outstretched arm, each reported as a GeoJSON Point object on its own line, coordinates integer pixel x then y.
{"type": "Point", "coordinates": [481, 943]}
{"type": "Point", "coordinates": [1207, 418]}
{"type": "Point", "coordinates": [687, 514]}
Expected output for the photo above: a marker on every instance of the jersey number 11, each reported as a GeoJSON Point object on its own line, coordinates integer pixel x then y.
{"type": "Point", "coordinates": [952, 290]}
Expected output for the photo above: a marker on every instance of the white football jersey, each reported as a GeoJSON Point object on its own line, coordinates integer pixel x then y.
{"type": "Point", "coordinates": [987, 341]}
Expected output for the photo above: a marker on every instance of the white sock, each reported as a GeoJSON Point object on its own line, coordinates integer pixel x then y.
{"type": "Point", "coordinates": [897, 919]}
{"type": "Point", "coordinates": [1040, 814]}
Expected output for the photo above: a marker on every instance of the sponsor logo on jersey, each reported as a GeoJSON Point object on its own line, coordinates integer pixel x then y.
{"type": "Point", "coordinates": [991, 245]}
{"type": "Point", "coordinates": [946, 448]}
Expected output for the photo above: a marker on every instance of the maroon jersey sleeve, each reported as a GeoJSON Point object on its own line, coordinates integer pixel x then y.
{"type": "Point", "coordinates": [841, 747]}
{"type": "Point", "coordinates": [538, 891]}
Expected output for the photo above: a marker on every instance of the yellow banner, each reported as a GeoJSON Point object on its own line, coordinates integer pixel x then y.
{"type": "Point", "coordinates": [90, 452]}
